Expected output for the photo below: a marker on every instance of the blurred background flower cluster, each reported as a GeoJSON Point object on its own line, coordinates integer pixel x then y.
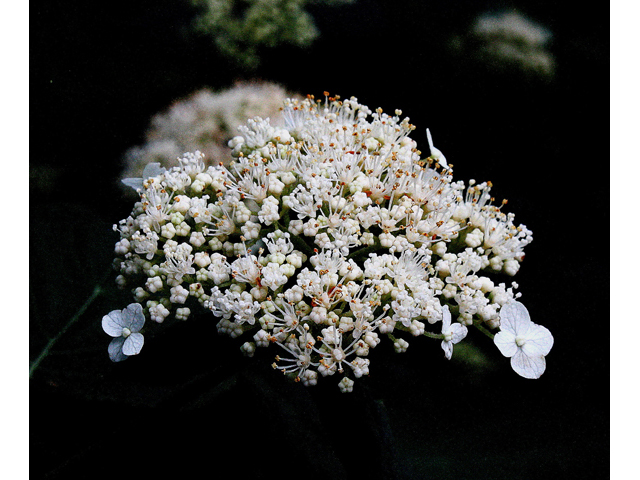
{"type": "Point", "coordinates": [507, 87]}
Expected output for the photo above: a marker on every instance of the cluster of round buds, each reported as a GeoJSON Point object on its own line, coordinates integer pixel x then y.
{"type": "Point", "coordinates": [322, 237]}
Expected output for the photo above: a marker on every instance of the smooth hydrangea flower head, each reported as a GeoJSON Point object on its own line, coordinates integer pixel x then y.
{"type": "Point", "coordinates": [524, 341]}
{"type": "Point", "coordinates": [325, 236]}
{"type": "Point", "coordinates": [124, 326]}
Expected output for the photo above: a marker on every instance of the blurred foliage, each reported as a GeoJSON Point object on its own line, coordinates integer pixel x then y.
{"type": "Point", "coordinates": [241, 29]}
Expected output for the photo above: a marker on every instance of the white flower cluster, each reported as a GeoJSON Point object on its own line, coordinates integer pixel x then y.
{"type": "Point", "coordinates": [510, 40]}
{"type": "Point", "coordinates": [205, 121]}
{"type": "Point", "coordinates": [323, 237]}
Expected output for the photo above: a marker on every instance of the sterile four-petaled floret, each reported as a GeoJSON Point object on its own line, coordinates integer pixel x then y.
{"type": "Point", "coordinates": [451, 334]}
{"type": "Point", "coordinates": [124, 325]}
{"type": "Point", "coordinates": [524, 341]}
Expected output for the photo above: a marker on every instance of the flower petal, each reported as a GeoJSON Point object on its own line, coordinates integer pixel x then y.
{"type": "Point", "coordinates": [115, 350]}
{"type": "Point", "coordinates": [133, 344]}
{"type": "Point", "coordinates": [506, 343]}
{"type": "Point", "coordinates": [458, 332]}
{"type": "Point", "coordinates": [539, 341]}
{"type": "Point", "coordinates": [135, 183]}
{"type": "Point", "coordinates": [514, 318]}
{"type": "Point", "coordinates": [446, 318]}
{"type": "Point", "coordinates": [135, 316]}
{"type": "Point", "coordinates": [448, 349]}
{"type": "Point", "coordinates": [526, 366]}
{"type": "Point", "coordinates": [151, 170]}
{"type": "Point", "coordinates": [113, 323]}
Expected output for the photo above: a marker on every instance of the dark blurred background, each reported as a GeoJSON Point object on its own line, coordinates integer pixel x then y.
{"type": "Point", "coordinates": [191, 403]}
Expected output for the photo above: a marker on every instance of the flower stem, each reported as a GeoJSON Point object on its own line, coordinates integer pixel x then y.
{"type": "Point", "coordinates": [96, 292]}
{"type": "Point", "coordinates": [438, 336]}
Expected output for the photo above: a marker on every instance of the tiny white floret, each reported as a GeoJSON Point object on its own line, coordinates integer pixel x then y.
{"type": "Point", "coordinates": [346, 385]}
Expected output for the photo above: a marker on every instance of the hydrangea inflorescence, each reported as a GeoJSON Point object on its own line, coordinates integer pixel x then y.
{"type": "Point", "coordinates": [323, 237]}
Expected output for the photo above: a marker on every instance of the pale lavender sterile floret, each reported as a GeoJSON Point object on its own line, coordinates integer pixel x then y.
{"type": "Point", "coordinates": [124, 325]}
